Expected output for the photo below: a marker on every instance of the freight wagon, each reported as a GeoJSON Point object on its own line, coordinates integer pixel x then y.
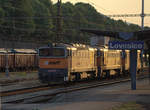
{"type": "Point", "coordinates": [18, 59]}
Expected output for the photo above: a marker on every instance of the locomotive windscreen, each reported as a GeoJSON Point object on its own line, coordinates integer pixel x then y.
{"type": "Point", "coordinates": [52, 52]}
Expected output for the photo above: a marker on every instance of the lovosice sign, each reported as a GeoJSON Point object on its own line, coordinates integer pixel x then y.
{"type": "Point", "coordinates": [127, 45]}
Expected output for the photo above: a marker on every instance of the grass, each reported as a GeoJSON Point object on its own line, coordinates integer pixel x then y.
{"type": "Point", "coordinates": [129, 106]}
{"type": "Point", "coordinates": [2, 74]}
{"type": "Point", "coordinates": [17, 77]}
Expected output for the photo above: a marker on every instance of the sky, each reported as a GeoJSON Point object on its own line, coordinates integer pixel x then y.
{"type": "Point", "coordinates": [109, 7]}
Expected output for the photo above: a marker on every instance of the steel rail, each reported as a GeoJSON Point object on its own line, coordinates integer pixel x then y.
{"type": "Point", "coordinates": [46, 97]}
{"type": "Point", "coordinates": [44, 87]}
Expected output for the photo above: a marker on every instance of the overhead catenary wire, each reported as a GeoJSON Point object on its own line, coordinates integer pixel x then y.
{"type": "Point", "coordinates": [40, 26]}
{"type": "Point", "coordinates": [53, 17]}
{"type": "Point", "coordinates": [45, 25]}
{"type": "Point", "coordinates": [126, 15]}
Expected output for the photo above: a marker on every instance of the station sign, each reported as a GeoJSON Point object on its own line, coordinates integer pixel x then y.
{"type": "Point", "coordinates": [126, 45]}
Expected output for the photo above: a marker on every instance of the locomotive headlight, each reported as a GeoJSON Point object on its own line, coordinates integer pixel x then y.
{"type": "Point", "coordinates": [91, 49]}
{"type": "Point", "coordinates": [105, 50]}
{"type": "Point", "coordinates": [147, 55]}
{"type": "Point", "coordinates": [143, 55]}
{"type": "Point", "coordinates": [73, 49]}
{"type": "Point", "coordinates": [118, 50]}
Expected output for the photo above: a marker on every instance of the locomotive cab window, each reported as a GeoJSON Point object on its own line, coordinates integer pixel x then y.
{"type": "Point", "coordinates": [52, 52]}
{"type": "Point", "coordinates": [44, 52]}
{"type": "Point", "coordinates": [58, 52]}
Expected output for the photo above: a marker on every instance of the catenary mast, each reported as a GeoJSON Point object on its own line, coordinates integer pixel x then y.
{"type": "Point", "coordinates": [58, 24]}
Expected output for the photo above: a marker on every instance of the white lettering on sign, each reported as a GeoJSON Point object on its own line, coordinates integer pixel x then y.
{"type": "Point", "coordinates": [126, 45]}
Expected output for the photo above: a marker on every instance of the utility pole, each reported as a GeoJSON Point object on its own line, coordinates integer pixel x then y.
{"type": "Point", "coordinates": [142, 27]}
{"type": "Point", "coordinates": [59, 28]}
{"type": "Point", "coordinates": [142, 15]}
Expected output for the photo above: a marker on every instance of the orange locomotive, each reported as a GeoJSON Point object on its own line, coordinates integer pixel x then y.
{"type": "Point", "coordinates": [63, 62]}
{"type": "Point", "coordinates": [69, 62]}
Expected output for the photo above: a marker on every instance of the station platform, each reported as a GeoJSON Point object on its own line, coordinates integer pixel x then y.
{"type": "Point", "coordinates": [114, 97]}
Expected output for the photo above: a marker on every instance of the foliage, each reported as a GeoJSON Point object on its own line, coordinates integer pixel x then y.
{"type": "Point", "coordinates": [36, 19]}
{"type": "Point", "coordinates": [42, 18]}
{"type": "Point", "coordinates": [1, 15]}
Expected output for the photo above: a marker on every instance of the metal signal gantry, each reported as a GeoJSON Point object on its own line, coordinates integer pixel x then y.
{"type": "Point", "coordinates": [127, 15]}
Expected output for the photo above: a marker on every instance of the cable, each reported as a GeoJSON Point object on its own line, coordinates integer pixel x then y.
{"type": "Point", "coordinates": [126, 15]}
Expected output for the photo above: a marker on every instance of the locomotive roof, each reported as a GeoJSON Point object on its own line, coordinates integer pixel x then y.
{"type": "Point", "coordinates": [69, 46]}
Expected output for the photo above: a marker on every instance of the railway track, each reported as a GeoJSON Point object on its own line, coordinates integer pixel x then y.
{"type": "Point", "coordinates": [17, 77]}
{"type": "Point", "coordinates": [43, 87]}
{"type": "Point", "coordinates": [15, 82]}
{"type": "Point", "coordinates": [23, 90]}
{"type": "Point", "coordinates": [43, 94]}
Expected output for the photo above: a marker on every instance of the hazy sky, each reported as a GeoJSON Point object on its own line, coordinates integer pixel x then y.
{"type": "Point", "coordinates": [109, 7]}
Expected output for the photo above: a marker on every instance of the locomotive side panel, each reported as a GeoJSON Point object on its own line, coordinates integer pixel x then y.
{"type": "Point", "coordinates": [138, 60]}
{"type": "Point", "coordinates": [83, 60]}
{"type": "Point", "coordinates": [110, 62]}
{"type": "Point", "coordinates": [145, 60]}
{"type": "Point", "coordinates": [127, 60]}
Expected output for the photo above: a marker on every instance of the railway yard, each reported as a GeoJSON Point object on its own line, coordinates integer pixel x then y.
{"type": "Point", "coordinates": [73, 76]}
{"type": "Point", "coordinates": [70, 55]}
{"type": "Point", "coordinates": [105, 94]}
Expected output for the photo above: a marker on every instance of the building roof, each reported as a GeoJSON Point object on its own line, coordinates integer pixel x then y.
{"type": "Point", "coordinates": [144, 36]}
{"type": "Point", "coordinates": [137, 35]}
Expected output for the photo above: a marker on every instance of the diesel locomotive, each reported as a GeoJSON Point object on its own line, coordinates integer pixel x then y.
{"type": "Point", "coordinates": [72, 62]}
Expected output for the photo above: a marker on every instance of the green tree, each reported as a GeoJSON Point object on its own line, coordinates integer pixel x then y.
{"type": "Point", "coordinates": [36, 19]}
{"type": "Point", "coordinates": [2, 13]}
{"type": "Point", "coordinates": [42, 19]}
